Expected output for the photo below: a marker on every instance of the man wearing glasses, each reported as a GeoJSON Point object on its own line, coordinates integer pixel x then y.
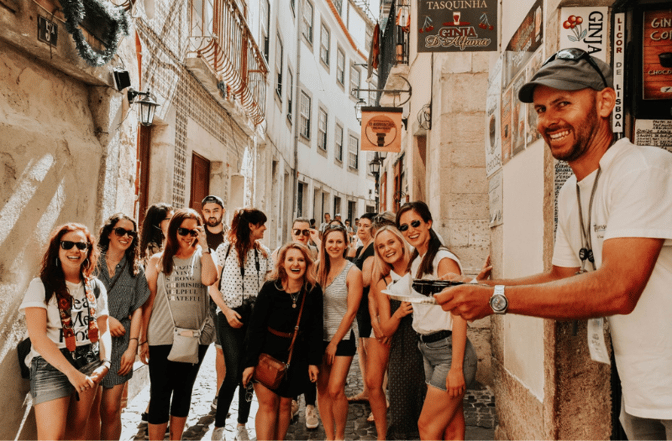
{"type": "Point", "coordinates": [613, 247]}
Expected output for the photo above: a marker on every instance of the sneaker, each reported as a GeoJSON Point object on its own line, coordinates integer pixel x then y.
{"type": "Point", "coordinates": [144, 416]}
{"type": "Point", "coordinates": [295, 409]}
{"type": "Point", "coordinates": [218, 434]}
{"type": "Point", "coordinates": [241, 434]}
{"type": "Point", "coordinates": [311, 417]}
{"type": "Point", "coordinates": [213, 406]}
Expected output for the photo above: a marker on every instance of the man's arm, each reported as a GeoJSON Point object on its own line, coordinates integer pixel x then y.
{"type": "Point", "coordinates": [614, 288]}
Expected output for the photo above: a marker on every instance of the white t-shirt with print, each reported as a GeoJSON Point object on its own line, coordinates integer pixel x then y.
{"type": "Point", "coordinates": [633, 199]}
{"type": "Point", "coordinates": [428, 319]}
{"type": "Point", "coordinates": [34, 298]}
{"type": "Point", "coordinates": [232, 287]}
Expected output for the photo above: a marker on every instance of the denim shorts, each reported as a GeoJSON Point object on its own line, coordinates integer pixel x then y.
{"type": "Point", "coordinates": [437, 358]}
{"type": "Point", "coordinates": [48, 383]}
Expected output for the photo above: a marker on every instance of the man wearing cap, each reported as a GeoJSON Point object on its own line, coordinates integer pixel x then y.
{"type": "Point", "coordinates": [613, 247]}
{"type": "Point", "coordinates": [212, 209]}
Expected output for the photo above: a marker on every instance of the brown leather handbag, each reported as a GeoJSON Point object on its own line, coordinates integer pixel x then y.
{"type": "Point", "coordinates": [269, 370]}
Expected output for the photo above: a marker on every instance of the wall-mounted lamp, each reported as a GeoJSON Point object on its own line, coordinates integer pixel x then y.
{"type": "Point", "coordinates": [147, 105]}
{"type": "Point", "coordinates": [374, 167]}
{"type": "Point", "coordinates": [382, 155]}
{"type": "Point", "coordinates": [358, 109]}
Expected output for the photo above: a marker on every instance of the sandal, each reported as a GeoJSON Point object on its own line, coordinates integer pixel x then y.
{"type": "Point", "coordinates": [357, 398]}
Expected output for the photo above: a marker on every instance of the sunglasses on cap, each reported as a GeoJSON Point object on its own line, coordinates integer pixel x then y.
{"type": "Point", "coordinates": [185, 231]}
{"type": "Point", "coordinates": [414, 224]}
{"type": "Point", "coordinates": [67, 245]}
{"type": "Point", "coordinates": [121, 232]}
{"type": "Point", "coordinates": [298, 232]}
{"type": "Point", "coordinates": [576, 54]}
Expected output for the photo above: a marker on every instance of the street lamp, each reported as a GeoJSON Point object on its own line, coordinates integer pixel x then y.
{"type": "Point", "coordinates": [374, 167]}
{"type": "Point", "coordinates": [147, 105]}
{"type": "Point", "coordinates": [358, 109]}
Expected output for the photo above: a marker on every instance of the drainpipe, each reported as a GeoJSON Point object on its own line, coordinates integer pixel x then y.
{"type": "Point", "coordinates": [299, 21]}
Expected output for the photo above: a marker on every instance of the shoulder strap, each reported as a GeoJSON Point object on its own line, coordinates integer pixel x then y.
{"type": "Point", "coordinates": [296, 328]}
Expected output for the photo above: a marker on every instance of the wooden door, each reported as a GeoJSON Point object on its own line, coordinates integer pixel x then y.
{"type": "Point", "coordinates": [200, 180]}
{"type": "Point", "coordinates": [142, 180]}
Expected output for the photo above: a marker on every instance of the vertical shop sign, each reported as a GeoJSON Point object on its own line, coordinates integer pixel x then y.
{"type": "Point", "coordinates": [619, 74]}
{"type": "Point", "coordinates": [657, 55]}
{"type": "Point", "coordinates": [585, 28]}
{"type": "Point", "coordinates": [524, 43]}
{"type": "Point", "coordinates": [457, 25]}
{"type": "Point", "coordinates": [493, 150]}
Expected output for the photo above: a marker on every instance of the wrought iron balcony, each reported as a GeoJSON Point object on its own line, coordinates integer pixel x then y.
{"type": "Point", "coordinates": [393, 47]}
{"type": "Point", "coordinates": [220, 36]}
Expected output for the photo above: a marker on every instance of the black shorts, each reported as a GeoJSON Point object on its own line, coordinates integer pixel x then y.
{"type": "Point", "coordinates": [345, 348]}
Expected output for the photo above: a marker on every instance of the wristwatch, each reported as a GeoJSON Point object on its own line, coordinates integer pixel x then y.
{"type": "Point", "coordinates": [498, 301]}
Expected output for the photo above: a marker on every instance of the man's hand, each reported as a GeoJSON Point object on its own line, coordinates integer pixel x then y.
{"type": "Point", "coordinates": [471, 302]}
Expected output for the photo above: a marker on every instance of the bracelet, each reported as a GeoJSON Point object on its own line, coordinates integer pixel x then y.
{"type": "Point", "coordinates": [108, 362]}
{"type": "Point", "coordinates": [143, 342]}
{"type": "Point", "coordinates": [133, 338]}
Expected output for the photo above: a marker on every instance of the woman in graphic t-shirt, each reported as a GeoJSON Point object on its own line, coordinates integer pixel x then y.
{"type": "Point", "coordinates": [178, 280]}
{"type": "Point", "coordinates": [66, 316]}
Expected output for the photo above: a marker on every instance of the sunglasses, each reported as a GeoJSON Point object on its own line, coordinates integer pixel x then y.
{"type": "Point", "coordinates": [121, 232]}
{"type": "Point", "coordinates": [67, 245]}
{"type": "Point", "coordinates": [298, 232]}
{"type": "Point", "coordinates": [414, 224]}
{"type": "Point", "coordinates": [575, 54]}
{"type": "Point", "coordinates": [184, 231]}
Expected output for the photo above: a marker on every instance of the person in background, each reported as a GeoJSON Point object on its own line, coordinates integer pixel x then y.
{"type": "Point", "coordinates": [178, 280]}
{"type": "Point", "coordinates": [325, 224]}
{"type": "Point", "coordinates": [69, 356]}
{"type": "Point", "coordinates": [271, 331]}
{"type": "Point", "coordinates": [154, 230]}
{"type": "Point", "coordinates": [120, 270]}
{"type": "Point", "coordinates": [342, 282]}
{"type": "Point", "coordinates": [243, 264]}
{"type": "Point", "coordinates": [212, 209]}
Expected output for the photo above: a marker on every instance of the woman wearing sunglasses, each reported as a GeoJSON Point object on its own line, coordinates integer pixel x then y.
{"type": "Point", "coordinates": [154, 230]}
{"type": "Point", "coordinates": [449, 358]}
{"type": "Point", "coordinates": [178, 280]}
{"type": "Point", "coordinates": [243, 264]}
{"type": "Point", "coordinates": [271, 331]}
{"type": "Point", "coordinates": [66, 315]}
{"type": "Point", "coordinates": [342, 285]}
{"type": "Point", "coordinates": [120, 270]}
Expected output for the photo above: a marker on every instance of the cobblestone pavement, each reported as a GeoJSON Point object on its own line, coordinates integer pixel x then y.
{"type": "Point", "coordinates": [479, 408]}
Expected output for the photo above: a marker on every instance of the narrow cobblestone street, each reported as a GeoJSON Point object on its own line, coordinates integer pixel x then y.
{"type": "Point", "coordinates": [479, 406]}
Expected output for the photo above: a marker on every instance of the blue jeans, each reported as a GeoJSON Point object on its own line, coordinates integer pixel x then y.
{"type": "Point", "coordinates": [438, 356]}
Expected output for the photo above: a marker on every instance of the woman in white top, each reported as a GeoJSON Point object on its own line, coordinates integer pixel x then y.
{"type": "Point", "coordinates": [449, 358]}
{"type": "Point", "coordinates": [342, 286]}
{"type": "Point", "coordinates": [69, 352]}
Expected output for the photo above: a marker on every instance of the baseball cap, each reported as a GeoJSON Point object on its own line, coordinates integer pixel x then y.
{"type": "Point", "coordinates": [212, 199]}
{"type": "Point", "coordinates": [569, 69]}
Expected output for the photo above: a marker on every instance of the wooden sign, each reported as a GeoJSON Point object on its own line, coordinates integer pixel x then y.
{"type": "Point", "coordinates": [657, 55]}
{"type": "Point", "coordinates": [381, 129]}
{"type": "Point", "coordinates": [457, 26]}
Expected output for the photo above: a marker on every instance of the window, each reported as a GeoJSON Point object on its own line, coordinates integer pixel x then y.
{"type": "Point", "coordinates": [322, 129]}
{"type": "Point", "coordinates": [338, 4]}
{"type": "Point", "coordinates": [338, 151]}
{"type": "Point", "coordinates": [290, 93]}
{"type": "Point", "coordinates": [340, 66]}
{"type": "Point", "coordinates": [324, 45]}
{"type": "Point", "coordinates": [265, 25]}
{"type": "Point", "coordinates": [299, 199]}
{"type": "Point", "coordinates": [353, 153]}
{"type": "Point", "coordinates": [337, 206]}
{"type": "Point", "coordinates": [308, 21]}
{"type": "Point", "coordinates": [304, 126]}
{"type": "Point", "coordinates": [354, 81]}
{"type": "Point", "coordinates": [278, 67]}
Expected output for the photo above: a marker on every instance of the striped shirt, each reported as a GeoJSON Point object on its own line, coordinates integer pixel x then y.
{"type": "Point", "coordinates": [335, 306]}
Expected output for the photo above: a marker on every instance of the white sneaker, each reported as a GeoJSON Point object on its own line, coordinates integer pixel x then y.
{"type": "Point", "coordinates": [311, 417]}
{"type": "Point", "coordinates": [295, 409]}
{"type": "Point", "coordinates": [218, 434]}
{"type": "Point", "coordinates": [213, 406]}
{"type": "Point", "coordinates": [241, 434]}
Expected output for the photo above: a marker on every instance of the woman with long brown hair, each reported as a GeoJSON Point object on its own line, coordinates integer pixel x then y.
{"type": "Point", "coordinates": [178, 280]}
{"type": "Point", "coordinates": [342, 285]}
{"type": "Point", "coordinates": [271, 329]}
{"type": "Point", "coordinates": [243, 264]}
{"type": "Point", "coordinates": [66, 315]}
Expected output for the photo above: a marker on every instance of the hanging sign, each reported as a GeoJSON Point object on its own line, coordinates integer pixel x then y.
{"type": "Point", "coordinates": [457, 25]}
{"type": "Point", "coordinates": [524, 43]}
{"type": "Point", "coordinates": [657, 55]}
{"type": "Point", "coordinates": [585, 28]}
{"type": "Point", "coordinates": [381, 129]}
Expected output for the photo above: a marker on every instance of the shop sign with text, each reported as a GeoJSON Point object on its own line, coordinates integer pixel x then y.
{"type": "Point", "coordinates": [457, 25]}
{"type": "Point", "coordinates": [381, 129]}
{"type": "Point", "coordinates": [585, 28]}
{"type": "Point", "coordinates": [524, 43]}
{"type": "Point", "coordinates": [657, 55]}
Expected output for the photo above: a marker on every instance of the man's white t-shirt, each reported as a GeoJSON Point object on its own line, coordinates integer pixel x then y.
{"type": "Point", "coordinates": [34, 298]}
{"type": "Point", "coordinates": [633, 199]}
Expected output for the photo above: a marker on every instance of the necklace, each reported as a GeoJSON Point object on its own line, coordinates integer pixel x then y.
{"type": "Point", "coordinates": [295, 298]}
{"type": "Point", "coordinates": [586, 252]}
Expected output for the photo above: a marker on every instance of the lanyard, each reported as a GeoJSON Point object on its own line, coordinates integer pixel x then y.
{"type": "Point", "coordinates": [586, 252]}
